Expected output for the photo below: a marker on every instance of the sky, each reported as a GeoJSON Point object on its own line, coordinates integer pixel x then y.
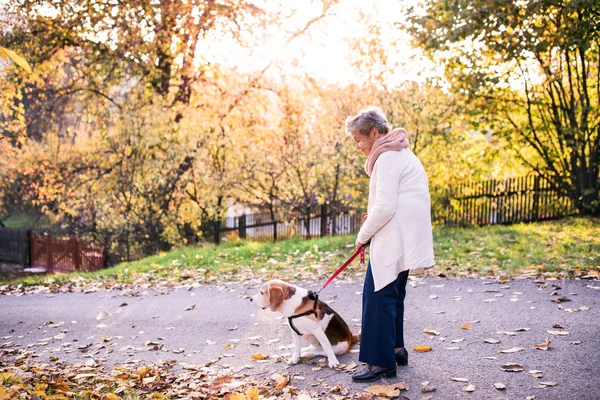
{"type": "Point", "coordinates": [325, 51]}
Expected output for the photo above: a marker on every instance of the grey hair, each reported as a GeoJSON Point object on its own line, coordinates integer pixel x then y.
{"type": "Point", "coordinates": [367, 119]}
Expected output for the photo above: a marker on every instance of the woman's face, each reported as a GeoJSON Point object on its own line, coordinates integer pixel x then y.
{"type": "Point", "coordinates": [364, 143]}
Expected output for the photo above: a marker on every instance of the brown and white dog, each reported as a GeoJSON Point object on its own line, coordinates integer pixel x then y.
{"type": "Point", "coordinates": [327, 333]}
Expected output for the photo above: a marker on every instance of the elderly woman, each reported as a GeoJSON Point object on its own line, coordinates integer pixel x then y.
{"type": "Point", "coordinates": [398, 228]}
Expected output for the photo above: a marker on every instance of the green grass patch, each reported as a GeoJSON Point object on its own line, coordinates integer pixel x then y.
{"type": "Point", "coordinates": [570, 247]}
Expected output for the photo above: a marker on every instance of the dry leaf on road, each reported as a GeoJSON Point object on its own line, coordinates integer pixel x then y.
{"type": "Point", "coordinates": [469, 388]}
{"type": "Point", "coordinates": [543, 346]}
{"type": "Point", "coordinates": [387, 390]}
{"type": "Point", "coordinates": [558, 333]}
{"type": "Point", "coordinates": [422, 349]}
{"type": "Point", "coordinates": [512, 367]}
{"type": "Point", "coordinates": [511, 350]}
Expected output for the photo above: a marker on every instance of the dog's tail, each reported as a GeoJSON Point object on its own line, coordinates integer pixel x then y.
{"type": "Point", "coordinates": [355, 339]}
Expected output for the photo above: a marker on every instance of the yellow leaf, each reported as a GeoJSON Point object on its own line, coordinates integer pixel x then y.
{"type": "Point", "coordinates": [252, 393]}
{"type": "Point", "coordinates": [17, 59]}
{"type": "Point", "coordinates": [3, 55]}
{"type": "Point", "coordinates": [466, 325]}
{"type": "Point", "coordinates": [237, 396]}
{"type": "Point", "coordinates": [281, 381]}
{"type": "Point", "coordinates": [431, 331]}
{"type": "Point", "coordinates": [142, 372]}
{"type": "Point", "coordinates": [259, 356]}
{"type": "Point", "coordinates": [158, 396]}
{"type": "Point", "coordinates": [422, 349]}
{"type": "Point", "coordinates": [387, 390]}
{"type": "Point", "coordinates": [110, 396]}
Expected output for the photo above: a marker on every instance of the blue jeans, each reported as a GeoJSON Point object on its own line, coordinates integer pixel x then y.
{"type": "Point", "coordinates": [382, 327]}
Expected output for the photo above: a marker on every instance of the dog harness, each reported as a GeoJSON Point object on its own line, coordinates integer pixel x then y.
{"type": "Point", "coordinates": [311, 296]}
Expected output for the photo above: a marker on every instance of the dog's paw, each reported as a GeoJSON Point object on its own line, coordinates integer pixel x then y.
{"type": "Point", "coordinates": [333, 363]}
{"type": "Point", "coordinates": [293, 360]}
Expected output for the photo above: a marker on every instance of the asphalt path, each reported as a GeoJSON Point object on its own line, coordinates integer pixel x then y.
{"type": "Point", "coordinates": [201, 323]}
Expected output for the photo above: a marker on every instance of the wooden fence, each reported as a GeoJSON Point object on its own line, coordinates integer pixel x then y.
{"type": "Point", "coordinates": [65, 254]}
{"type": "Point", "coordinates": [321, 221]}
{"type": "Point", "coordinates": [523, 199]}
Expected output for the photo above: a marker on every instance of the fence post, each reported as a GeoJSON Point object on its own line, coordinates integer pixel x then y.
{"type": "Point", "coordinates": [242, 226]}
{"type": "Point", "coordinates": [76, 254]}
{"type": "Point", "coordinates": [49, 265]}
{"type": "Point", "coordinates": [536, 198]}
{"type": "Point", "coordinates": [28, 260]}
{"type": "Point", "coordinates": [323, 220]}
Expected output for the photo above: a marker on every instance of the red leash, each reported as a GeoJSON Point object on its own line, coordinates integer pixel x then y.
{"type": "Point", "coordinates": [360, 251]}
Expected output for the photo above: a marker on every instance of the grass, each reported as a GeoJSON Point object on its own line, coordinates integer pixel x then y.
{"type": "Point", "coordinates": [569, 247]}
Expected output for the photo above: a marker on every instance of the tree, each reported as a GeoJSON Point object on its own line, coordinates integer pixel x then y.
{"type": "Point", "coordinates": [533, 66]}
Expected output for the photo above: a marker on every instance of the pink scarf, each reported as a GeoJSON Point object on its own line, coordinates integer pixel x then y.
{"type": "Point", "coordinates": [391, 141]}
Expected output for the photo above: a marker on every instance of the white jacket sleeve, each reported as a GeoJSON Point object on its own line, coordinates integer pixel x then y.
{"type": "Point", "coordinates": [387, 177]}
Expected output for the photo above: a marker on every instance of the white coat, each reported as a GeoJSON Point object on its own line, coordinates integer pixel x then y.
{"type": "Point", "coordinates": [399, 217]}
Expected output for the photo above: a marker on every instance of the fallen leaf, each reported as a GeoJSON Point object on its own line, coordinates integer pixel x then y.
{"type": "Point", "coordinates": [459, 379]}
{"type": "Point", "coordinates": [469, 388]}
{"type": "Point", "coordinates": [492, 341]}
{"type": "Point", "coordinates": [512, 367]}
{"type": "Point", "coordinates": [544, 346]}
{"type": "Point", "coordinates": [500, 386]}
{"type": "Point", "coordinates": [190, 308]}
{"type": "Point", "coordinates": [387, 390]}
{"type": "Point", "coordinates": [548, 384]}
{"type": "Point", "coordinates": [252, 393]}
{"type": "Point", "coordinates": [259, 356]}
{"type": "Point", "coordinates": [422, 349]}
{"type": "Point", "coordinates": [110, 396]}
{"type": "Point", "coordinates": [558, 333]}
{"type": "Point", "coordinates": [60, 336]}
{"type": "Point", "coordinates": [466, 325]}
{"type": "Point", "coordinates": [561, 300]}
{"type": "Point", "coordinates": [511, 350]}
{"type": "Point", "coordinates": [508, 333]}
{"type": "Point", "coordinates": [457, 340]}
{"type": "Point", "coordinates": [280, 381]}
{"type": "Point", "coordinates": [536, 374]}
{"type": "Point", "coordinates": [522, 329]}
{"type": "Point", "coordinates": [431, 331]}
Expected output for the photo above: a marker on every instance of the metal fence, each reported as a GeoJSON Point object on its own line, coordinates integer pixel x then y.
{"type": "Point", "coordinates": [320, 221]}
{"type": "Point", "coordinates": [524, 199]}
{"type": "Point", "coordinates": [14, 246]}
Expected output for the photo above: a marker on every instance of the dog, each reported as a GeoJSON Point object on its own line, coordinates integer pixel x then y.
{"type": "Point", "coordinates": [310, 318]}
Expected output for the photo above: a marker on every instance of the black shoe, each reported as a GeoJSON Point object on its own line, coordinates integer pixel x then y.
{"type": "Point", "coordinates": [370, 375]}
{"type": "Point", "coordinates": [402, 357]}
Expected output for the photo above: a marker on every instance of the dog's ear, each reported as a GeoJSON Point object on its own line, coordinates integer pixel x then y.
{"type": "Point", "coordinates": [276, 296]}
